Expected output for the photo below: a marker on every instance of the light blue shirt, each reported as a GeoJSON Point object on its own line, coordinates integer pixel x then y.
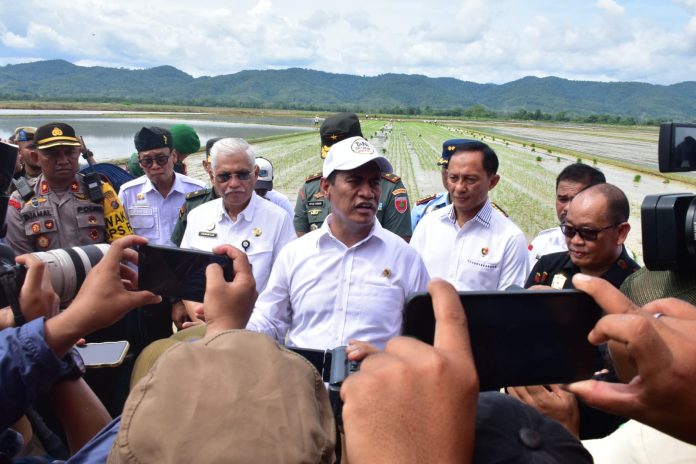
{"type": "Point", "coordinates": [441, 200]}
{"type": "Point", "coordinates": [150, 214]}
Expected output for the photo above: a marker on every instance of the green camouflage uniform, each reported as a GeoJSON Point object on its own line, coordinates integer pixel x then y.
{"type": "Point", "coordinates": [394, 211]}
{"type": "Point", "coordinates": [193, 199]}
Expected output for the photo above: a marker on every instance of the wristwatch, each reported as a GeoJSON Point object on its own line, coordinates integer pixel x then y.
{"type": "Point", "coordinates": [74, 367]}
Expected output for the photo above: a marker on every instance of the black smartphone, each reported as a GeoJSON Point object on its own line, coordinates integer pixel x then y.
{"type": "Point", "coordinates": [107, 354]}
{"type": "Point", "coordinates": [177, 272]}
{"type": "Point", "coordinates": [520, 337]}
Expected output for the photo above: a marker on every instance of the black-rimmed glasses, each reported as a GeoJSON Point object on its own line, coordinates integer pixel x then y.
{"type": "Point", "coordinates": [586, 233]}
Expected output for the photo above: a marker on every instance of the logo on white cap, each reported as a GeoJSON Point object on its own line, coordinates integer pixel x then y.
{"type": "Point", "coordinates": [361, 146]}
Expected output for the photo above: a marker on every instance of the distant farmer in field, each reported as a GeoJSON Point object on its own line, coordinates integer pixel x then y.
{"type": "Point", "coordinates": [468, 243]}
{"type": "Point", "coordinates": [595, 228]}
{"type": "Point", "coordinates": [573, 179]}
{"type": "Point", "coordinates": [311, 208]}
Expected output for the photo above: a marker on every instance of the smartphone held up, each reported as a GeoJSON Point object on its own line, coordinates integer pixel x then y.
{"type": "Point", "coordinates": [177, 272]}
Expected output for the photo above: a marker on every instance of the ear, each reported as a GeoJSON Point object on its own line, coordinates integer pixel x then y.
{"type": "Point", "coordinates": [324, 186]}
{"type": "Point", "coordinates": [493, 181]}
{"type": "Point", "coordinates": [256, 172]}
{"type": "Point", "coordinates": [623, 230]}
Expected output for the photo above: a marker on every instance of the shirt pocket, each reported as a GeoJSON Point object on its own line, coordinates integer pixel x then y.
{"type": "Point", "coordinates": [141, 217]}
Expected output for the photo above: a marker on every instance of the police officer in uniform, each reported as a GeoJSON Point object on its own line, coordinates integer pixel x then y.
{"type": "Point", "coordinates": [195, 198]}
{"type": "Point", "coordinates": [60, 213]}
{"type": "Point", "coordinates": [312, 208]}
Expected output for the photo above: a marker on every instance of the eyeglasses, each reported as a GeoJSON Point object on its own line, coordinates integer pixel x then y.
{"type": "Point", "coordinates": [160, 160]}
{"type": "Point", "coordinates": [226, 176]}
{"type": "Point", "coordinates": [585, 233]}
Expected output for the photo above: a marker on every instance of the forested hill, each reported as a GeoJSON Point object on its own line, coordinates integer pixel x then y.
{"type": "Point", "coordinates": [315, 90]}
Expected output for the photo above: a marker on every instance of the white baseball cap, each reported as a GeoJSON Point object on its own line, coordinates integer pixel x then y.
{"type": "Point", "coordinates": [265, 180]}
{"type": "Point", "coordinates": [352, 153]}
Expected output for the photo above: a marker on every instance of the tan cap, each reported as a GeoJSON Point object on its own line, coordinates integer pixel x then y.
{"type": "Point", "coordinates": [236, 397]}
{"type": "Point", "coordinates": [352, 153]}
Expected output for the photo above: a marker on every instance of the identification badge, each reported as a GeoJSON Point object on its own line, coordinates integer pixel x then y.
{"type": "Point", "coordinates": [318, 203]}
{"type": "Point", "coordinates": [140, 211]}
{"type": "Point", "coordinates": [207, 234]}
{"type": "Point", "coordinates": [559, 281]}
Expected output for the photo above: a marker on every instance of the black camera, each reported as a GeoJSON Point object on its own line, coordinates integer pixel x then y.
{"type": "Point", "coordinates": [67, 269]}
{"type": "Point", "coordinates": [668, 220]}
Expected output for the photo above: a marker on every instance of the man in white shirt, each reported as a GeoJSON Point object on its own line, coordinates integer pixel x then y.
{"type": "Point", "coordinates": [349, 278]}
{"type": "Point", "coordinates": [467, 243]}
{"type": "Point", "coordinates": [239, 217]}
{"type": "Point", "coordinates": [153, 201]}
{"type": "Point", "coordinates": [264, 187]}
{"type": "Point", "coordinates": [572, 180]}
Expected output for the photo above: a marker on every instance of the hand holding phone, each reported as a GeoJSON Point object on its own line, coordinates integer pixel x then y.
{"type": "Point", "coordinates": [107, 354]}
{"type": "Point", "coordinates": [178, 272]}
{"type": "Point", "coordinates": [520, 337]}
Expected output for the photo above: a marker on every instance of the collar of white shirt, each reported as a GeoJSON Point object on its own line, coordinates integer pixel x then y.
{"type": "Point", "coordinates": [177, 187]}
{"type": "Point", "coordinates": [247, 214]}
{"type": "Point", "coordinates": [324, 233]}
{"type": "Point", "coordinates": [483, 217]}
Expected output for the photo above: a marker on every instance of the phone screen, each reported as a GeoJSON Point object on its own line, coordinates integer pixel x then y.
{"type": "Point", "coordinates": [107, 354]}
{"type": "Point", "coordinates": [520, 337]}
{"type": "Point", "coordinates": [177, 272]}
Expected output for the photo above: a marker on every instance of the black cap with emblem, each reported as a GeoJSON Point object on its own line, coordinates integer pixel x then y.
{"type": "Point", "coordinates": [55, 134]}
{"type": "Point", "coordinates": [338, 127]}
{"type": "Point", "coordinates": [149, 138]}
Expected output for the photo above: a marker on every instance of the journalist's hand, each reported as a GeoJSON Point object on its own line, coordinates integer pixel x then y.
{"type": "Point", "coordinates": [415, 402]}
{"type": "Point", "coordinates": [108, 292]}
{"type": "Point", "coordinates": [228, 305]}
{"type": "Point", "coordinates": [37, 298]}
{"type": "Point", "coordinates": [661, 352]}
{"type": "Point", "coordinates": [555, 403]}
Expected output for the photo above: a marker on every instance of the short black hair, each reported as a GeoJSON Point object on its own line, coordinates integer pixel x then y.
{"type": "Point", "coordinates": [581, 174]}
{"type": "Point", "coordinates": [490, 159]}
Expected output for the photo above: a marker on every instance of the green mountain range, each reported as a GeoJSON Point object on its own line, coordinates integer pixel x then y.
{"type": "Point", "coordinates": [315, 90]}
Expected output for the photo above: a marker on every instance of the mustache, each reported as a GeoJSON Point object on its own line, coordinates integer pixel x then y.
{"type": "Point", "coordinates": [230, 191]}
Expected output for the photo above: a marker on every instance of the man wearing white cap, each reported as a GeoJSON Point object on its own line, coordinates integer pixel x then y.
{"type": "Point", "coordinates": [264, 187]}
{"type": "Point", "coordinates": [348, 279]}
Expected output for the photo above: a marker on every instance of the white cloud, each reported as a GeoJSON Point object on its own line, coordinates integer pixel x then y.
{"type": "Point", "coordinates": [469, 39]}
{"type": "Point", "coordinates": [611, 7]}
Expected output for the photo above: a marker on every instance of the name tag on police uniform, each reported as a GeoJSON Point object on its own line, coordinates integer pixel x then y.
{"type": "Point", "coordinates": [140, 211]}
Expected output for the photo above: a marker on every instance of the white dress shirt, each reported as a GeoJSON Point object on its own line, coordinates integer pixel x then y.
{"type": "Point", "coordinates": [548, 241]}
{"type": "Point", "coordinates": [281, 200]}
{"type": "Point", "coordinates": [261, 230]}
{"type": "Point", "coordinates": [489, 252]}
{"type": "Point", "coordinates": [322, 293]}
{"type": "Point", "coordinates": [151, 215]}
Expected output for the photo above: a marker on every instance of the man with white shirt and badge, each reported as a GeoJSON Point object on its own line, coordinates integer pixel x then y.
{"type": "Point", "coordinates": [572, 180]}
{"type": "Point", "coordinates": [468, 243]}
{"type": "Point", "coordinates": [239, 217]}
{"type": "Point", "coordinates": [153, 201]}
{"type": "Point", "coordinates": [348, 279]}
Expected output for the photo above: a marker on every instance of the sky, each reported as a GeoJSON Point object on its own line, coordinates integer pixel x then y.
{"type": "Point", "coordinates": [482, 41]}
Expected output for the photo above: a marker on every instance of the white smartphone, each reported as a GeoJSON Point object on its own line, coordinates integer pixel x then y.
{"type": "Point", "coordinates": [106, 354]}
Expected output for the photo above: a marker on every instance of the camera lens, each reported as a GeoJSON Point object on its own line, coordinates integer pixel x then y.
{"type": "Point", "coordinates": [68, 267]}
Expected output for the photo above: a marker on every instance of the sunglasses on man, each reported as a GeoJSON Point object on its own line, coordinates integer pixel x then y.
{"type": "Point", "coordinates": [161, 160]}
{"type": "Point", "coordinates": [586, 233]}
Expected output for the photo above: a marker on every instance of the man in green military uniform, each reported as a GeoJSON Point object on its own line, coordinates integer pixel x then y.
{"type": "Point", "coordinates": [196, 198]}
{"type": "Point", "coordinates": [311, 208]}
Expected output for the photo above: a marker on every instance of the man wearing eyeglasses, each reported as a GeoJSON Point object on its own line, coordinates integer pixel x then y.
{"type": "Point", "coordinates": [59, 213]}
{"type": "Point", "coordinates": [153, 201]}
{"type": "Point", "coordinates": [595, 229]}
{"type": "Point", "coordinates": [239, 217]}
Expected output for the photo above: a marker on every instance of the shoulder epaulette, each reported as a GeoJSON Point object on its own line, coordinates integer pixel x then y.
{"type": "Point", "coordinates": [393, 178]}
{"type": "Point", "coordinates": [196, 193]}
{"type": "Point", "coordinates": [315, 176]}
{"type": "Point", "coordinates": [499, 209]}
{"type": "Point", "coordinates": [425, 200]}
